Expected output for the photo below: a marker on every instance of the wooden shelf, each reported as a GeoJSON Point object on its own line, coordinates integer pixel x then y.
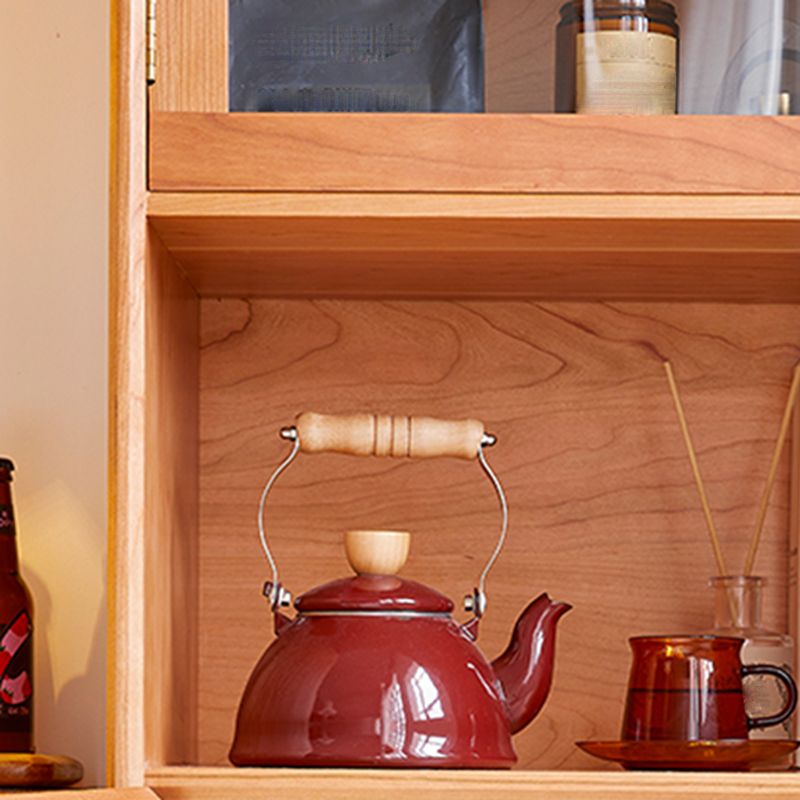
{"type": "Point", "coordinates": [212, 783]}
{"type": "Point", "coordinates": [737, 248]}
{"type": "Point", "coordinates": [476, 153]}
{"type": "Point", "coordinates": [139, 793]}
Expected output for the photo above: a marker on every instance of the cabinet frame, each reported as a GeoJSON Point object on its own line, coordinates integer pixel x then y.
{"type": "Point", "coordinates": [148, 231]}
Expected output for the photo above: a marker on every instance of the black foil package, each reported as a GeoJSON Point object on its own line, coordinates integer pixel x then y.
{"type": "Point", "coordinates": [356, 55]}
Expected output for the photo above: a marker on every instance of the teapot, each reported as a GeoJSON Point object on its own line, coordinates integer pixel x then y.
{"type": "Point", "coordinates": [373, 671]}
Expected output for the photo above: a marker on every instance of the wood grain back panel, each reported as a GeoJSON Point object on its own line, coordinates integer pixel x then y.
{"type": "Point", "coordinates": [604, 512]}
{"type": "Point", "coordinates": [520, 55]}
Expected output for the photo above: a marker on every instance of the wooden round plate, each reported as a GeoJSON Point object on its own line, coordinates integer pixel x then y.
{"type": "Point", "coordinates": [37, 770]}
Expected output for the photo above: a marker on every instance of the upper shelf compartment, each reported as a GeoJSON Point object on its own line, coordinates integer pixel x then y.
{"type": "Point", "coordinates": [728, 57]}
{"type": "Point", "coordinates": [726, 62]}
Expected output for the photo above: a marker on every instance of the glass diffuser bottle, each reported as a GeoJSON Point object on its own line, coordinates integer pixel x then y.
{"type": "Point", "coordinates": [737, 612]}
{"type": "Point", "coordinates": [617, 57]}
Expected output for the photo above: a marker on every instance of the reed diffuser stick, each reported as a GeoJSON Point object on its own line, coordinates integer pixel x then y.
{"type": "Point", "coordinates": [773, 471]}
{"type": "Point", "coordinates": [673, 387]}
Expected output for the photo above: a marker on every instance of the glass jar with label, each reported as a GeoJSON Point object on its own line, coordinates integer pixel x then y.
{"type": "Point", "coordinates": [617, 57]}
{"type": "Point", "coordinates": [737, 612]}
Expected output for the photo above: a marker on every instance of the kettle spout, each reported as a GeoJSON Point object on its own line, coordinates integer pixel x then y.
{"type": "Point", "coordinates": [525, 669]}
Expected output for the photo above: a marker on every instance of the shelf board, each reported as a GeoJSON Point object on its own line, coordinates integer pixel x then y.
{"type": "Point", "coordinates": [669, 247]}
{"type": "Point", "coordinates": [222, 783]}
{"type": "Point", "coordinates": [477, 153]}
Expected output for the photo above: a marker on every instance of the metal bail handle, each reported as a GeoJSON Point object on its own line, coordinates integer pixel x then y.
{"type": "Point", "coordinates": [395, 436]}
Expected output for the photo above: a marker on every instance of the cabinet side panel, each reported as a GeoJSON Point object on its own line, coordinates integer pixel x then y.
{"type": "Point", "coordinates": [603, 508]}
{"type": "Point", "coordinates": [170, 529]}
{"type": "Point", "coordinates": [192, 56]}
{"type": "Point", "coordinates": [125, 734]}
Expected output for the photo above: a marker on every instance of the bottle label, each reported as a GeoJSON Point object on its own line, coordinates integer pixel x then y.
{"type": "Point", "coordinates": [16, 688]}
{"type": "Point", "coordinates": [7, 519]}
{"type": "Point", "coordinates": [626, 72]}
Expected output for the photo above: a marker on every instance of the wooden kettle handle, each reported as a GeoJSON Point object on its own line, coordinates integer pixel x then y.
{"type": "Point", "coordinates": [384, 435]}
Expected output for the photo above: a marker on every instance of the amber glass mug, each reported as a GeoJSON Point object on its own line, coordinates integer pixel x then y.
{"type": "Point", "coordinates": [689, 688]}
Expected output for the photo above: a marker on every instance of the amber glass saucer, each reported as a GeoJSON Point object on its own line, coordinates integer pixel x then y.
{"type": "Point", "coordinates": [726, 754]}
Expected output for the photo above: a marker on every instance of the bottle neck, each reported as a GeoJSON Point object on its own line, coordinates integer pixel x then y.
{"type": "Point", "coordinates": [9, 561]}
{"type": "Point", "coordinates": [737, 602]}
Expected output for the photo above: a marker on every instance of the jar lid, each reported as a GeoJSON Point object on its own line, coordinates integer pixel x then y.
{"type": "Point", "coordinates": [375, 593]}
{"type": "Point", "coordinates": [656, 9]}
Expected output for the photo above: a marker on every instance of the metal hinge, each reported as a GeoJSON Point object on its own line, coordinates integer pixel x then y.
{"type": "Point", "coordinates": [150, 33]}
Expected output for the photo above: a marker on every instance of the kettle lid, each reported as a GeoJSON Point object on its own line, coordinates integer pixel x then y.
{"type": "Point", "coordinates": [376, 557]}
{"type": "Point", "coordinates": [374, 593]}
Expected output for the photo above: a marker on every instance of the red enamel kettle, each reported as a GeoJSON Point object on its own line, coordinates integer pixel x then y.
{"type": "Point", "coordinates": [373, 671]}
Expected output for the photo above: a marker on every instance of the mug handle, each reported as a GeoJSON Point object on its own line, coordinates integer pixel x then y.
{"type": "Point", "coordinates": [786, 679]}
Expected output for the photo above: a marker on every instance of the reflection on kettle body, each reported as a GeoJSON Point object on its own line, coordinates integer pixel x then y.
{"type": "Point", "coordinates": [405, 716]}
{"type": "Point", "coordinates": [424, 745]}
{"type": "Point", "coordinates": [423, 695]}
{"type": "Point", "coordinates": [393, 721]}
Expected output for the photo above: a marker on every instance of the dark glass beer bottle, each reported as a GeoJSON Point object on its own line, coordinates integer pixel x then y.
{"type": "Point", "coordinates": [16, 633]}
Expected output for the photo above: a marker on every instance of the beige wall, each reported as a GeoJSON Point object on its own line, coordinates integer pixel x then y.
{"type": "Point", "coordinates": [53, 340]}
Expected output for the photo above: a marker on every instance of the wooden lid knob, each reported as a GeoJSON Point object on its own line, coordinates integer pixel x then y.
{"type": "Point", "coordinates": [377, 552]}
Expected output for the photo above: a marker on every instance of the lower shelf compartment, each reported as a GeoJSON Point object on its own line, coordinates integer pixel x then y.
{"type": "Point", "coordinates": [226, 783]}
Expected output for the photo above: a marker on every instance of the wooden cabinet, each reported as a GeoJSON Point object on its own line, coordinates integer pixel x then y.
{"type": "Point", "coordinates": [529, 270]}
